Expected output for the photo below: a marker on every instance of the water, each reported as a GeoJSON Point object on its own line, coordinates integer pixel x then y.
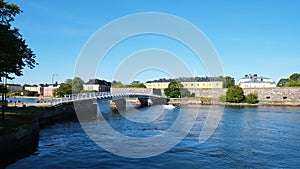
{"type": "Point", "coordinates": [23, 100]}
{"type": "Point", "coordinates": [263, 137]}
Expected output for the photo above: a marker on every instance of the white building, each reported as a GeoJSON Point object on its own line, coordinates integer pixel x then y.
{"type": "Point", "coordinates": [254, 81]}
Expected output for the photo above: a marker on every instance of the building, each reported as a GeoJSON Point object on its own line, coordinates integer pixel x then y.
{"type": "Point", "coordinates": [34, 88]}
{"type": "Point", "coordinates": [14, 87]}
{"type": "Point", "coordinates": [48, 89]}
{"type": "Point", "coordinates": [254, 81]}
{"type": "Point", "coordinates": [43, 89]}
{"type": "Point", "coordinates": [188, 82]}
{"type": "Point", "coordinates": [97, 85]}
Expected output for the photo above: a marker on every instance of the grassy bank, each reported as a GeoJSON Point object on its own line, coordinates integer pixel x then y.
{"type": "Point", "coordinates": [15, 121]}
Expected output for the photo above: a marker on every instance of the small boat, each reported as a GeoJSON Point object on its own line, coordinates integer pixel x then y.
{"type": "Point", "coordinates": [168, 106]}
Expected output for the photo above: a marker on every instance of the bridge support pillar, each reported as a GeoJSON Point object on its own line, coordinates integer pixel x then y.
{"type": "Point", "coordinates": [142, 102]}
{"type": "Point", "coordinates": [118, 105]}
{"type": "Point", "coordinates": [155, 101]}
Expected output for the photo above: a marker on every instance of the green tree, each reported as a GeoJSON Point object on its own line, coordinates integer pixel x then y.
{"type": "Point", "coordinates": [64, 89]}
{"type": "Point", "coordinates": [252, 98]}
{"type": "Point", "coordinates": [293, 81]}
{"type": "Point", "coordinates": [282, 82]}
{"type": "Point", "coordinates": [77, 85]}
{"type": "Point", "coordinates": [235, 94]}
{"type": "Point", "coordinates": [136, 84]}
{"type": "Point", "coordinates": [117, 84]}
{"type": "Point", "coordinates": [295, 76]}
{"type": "Point", "coordinates": [227, 81]}
{"type": "Point", "coordinates": [14, 52]}
{"type": "Point", "coordinates": [175, 90]}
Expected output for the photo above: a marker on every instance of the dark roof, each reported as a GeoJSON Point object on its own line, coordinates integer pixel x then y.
{"type": "Point", "coordinates": [98, 81]}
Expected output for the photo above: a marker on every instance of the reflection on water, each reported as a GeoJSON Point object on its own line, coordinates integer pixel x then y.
{"type": "Point", "coordinates": [264, 137]}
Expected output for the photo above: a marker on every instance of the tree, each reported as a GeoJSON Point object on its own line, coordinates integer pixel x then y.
{"type": "Point", "coordinates": [14, 52]}
{"type": "Point", "coordinates": [235, 94]}
{"type": "Point", "coordinates": [227, 81]}
{"type": "Point", "coordinates": [117, 84]}
{"type": "Point", "coordinates": [252, 98]}
{"type": "Point", "coordinates": [295, 76]}
{"type": "Point", "coordinates": [292, 81]}
{"type": "Point", "coordinates": [64, 89]}
{"type": "Point", "coordinates": [77, 85]}
{"type": "Point", "coordinates": [282, 82]}
{"type": "Point", "coordinates": [175, 90]}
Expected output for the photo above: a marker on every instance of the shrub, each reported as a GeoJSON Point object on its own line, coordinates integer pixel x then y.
{"type": "Point", "coordinates": [252, 98]}
{"type": "Point", "coordinates": [222, 98]}
{"type": "Point", "coordinates": [235, 94]}
{"type": "Point", "coordinates": [32, 93]}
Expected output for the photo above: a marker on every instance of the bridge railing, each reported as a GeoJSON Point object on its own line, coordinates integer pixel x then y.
{"type": "Point", "coordinates": [97, 95]}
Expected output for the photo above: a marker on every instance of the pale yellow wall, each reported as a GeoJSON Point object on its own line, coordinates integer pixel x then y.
{"type": "Point", "coordinates": [188, 85]}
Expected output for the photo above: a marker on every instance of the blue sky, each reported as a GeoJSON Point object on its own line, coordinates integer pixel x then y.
{"type": "Point", "coordinates": [250, 36]}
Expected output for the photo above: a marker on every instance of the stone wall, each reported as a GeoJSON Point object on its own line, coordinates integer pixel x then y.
{"type": "Point", "coordinates": [132, 90]}
{"type": "Point", "coordinates": [277, 94]}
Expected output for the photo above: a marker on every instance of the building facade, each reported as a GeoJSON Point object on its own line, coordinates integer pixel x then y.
{"type": "Point", "coordinates": [188, 82]}
{"type": "Point", "coordinates": [254, 81]}
{"type": "Point", "coordinates": [97, 85]}
{"type": "Point", "coordinates": [14, 88]}
{"type": "Point", "coordinates": [43, 89]}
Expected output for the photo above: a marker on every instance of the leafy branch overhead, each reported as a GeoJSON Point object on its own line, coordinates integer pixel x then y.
{"type": "Point", "coordinates": [14, 52]}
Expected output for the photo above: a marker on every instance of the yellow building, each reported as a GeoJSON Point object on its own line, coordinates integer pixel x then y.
{"type": "Point", "coordinates": [189, 83]}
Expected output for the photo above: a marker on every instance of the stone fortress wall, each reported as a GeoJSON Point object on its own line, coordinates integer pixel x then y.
{"type": "Point", "coordinates": [272, 94]}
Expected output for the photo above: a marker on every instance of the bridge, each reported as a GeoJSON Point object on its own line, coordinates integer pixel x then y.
{"type": "Point", "coordinates": [117, 100]}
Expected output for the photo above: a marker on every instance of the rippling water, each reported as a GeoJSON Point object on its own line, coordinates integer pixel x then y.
{"type": "Point", "coordinates": [263, 137]}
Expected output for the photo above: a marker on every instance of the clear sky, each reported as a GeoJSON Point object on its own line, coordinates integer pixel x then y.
{"type": "Point", "coordinates": [250, 36]}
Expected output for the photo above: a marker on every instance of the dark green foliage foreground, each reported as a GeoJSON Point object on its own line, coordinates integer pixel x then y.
{"type": "Point", "coordinates": [235, 94]}
{"type": "Point", "coordinates": [175, 90]}
{"type": "Point", "coordinates": [14, 52]}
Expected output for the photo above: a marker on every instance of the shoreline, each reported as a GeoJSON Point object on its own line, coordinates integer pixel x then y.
{"type": "Point", "coordinates": [198, 101]}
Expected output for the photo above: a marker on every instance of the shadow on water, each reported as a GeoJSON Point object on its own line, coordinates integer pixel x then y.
{"type": "Point", "coordinates": [13, 157]}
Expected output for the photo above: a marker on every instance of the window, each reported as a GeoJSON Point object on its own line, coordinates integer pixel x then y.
{"type": "Point", "coordinates": [197, 84]}
{"type": "Point", "coordinates": [268, 97]}
{"type": "Point", "coordinates": [284, 97]}
{"type": "Point", "coordinates": [192, 84]}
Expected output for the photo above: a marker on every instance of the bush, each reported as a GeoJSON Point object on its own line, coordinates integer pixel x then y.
{"type": "Point", "coordinates": [32, 93]}
{"type": "Point", "coordinates": [252, 98]}
{"type": "Point", "coordinates": [235, 94]}
{"type": "Point", "coordinates": [222, 98]}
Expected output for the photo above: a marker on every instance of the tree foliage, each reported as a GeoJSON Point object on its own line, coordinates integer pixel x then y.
{"type": "Point", "coordinates": [14, 52]}
{"type": "Point", "coordinates": [252, 98]}
{"type": "Point", "coordinates": [227, 81]}
{"type": "Point", "coordinates": [134, 84]}
{"type": "Point", "coordinates": [282, 82]}
{"type": "Point", "coordinates": [77, 85]}
{"type": "Point", "coordinates": [70, 86]}
{"type": "Point", "coordinates": [235, 94]}
{"type": "Point", "coordinates": [64, 89]}
{"type": "Point", "coordinates": [292, 81]}
{"type": "Point", "coordinates": [175, 90]}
